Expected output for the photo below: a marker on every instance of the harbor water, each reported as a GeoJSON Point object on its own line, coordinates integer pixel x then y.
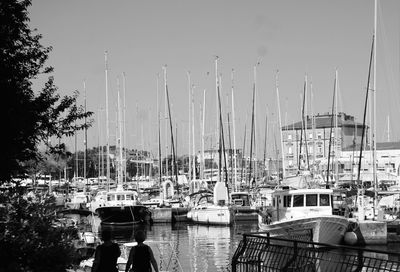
{"type": "Point", "coordinates": [191, 247]}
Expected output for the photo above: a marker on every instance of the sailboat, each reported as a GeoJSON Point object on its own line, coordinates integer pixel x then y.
{"type": "Point", "coordinates": [208, 208]}
{"type": "Point", "coordinates": [120, 206]}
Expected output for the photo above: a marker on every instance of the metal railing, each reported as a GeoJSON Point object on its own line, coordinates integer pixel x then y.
{"type": "Point", "coordinates": [260, 252]}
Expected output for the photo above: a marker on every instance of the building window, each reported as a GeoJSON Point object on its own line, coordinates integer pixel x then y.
{"type": "Point", "coordinates": [319, 149]}
{"type": "Point", "coordinates": [319, 136]}
{"type": "Point", "coordinates": [290, 163]}
{"type": "Point", "coordinates": [310, 149]}
{"type": "Point", "coordinates": [310, 136]}
{"type": "Point", "coordinates": [289, 137]}
{"type": "Point", "coordinates": [290, 150]}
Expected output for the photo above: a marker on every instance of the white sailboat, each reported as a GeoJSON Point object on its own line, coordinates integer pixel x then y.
{"type": "Point", "coordinates": [207, 208]}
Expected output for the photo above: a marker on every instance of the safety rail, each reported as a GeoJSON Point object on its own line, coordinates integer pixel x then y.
{"type": "Point", "coordinates": [259, 252]}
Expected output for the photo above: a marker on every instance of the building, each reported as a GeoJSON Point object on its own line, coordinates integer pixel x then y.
{"type": "Point", "coordinates": [307, 143]}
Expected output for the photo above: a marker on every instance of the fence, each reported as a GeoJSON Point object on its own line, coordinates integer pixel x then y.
{"type": "Point", "coordinates": [258, 252]}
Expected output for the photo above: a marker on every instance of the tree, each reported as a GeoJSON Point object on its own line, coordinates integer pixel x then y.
{"type": "Point", "coordinates": [29, 240]}
{"type": "Point", "coordinates": [29, 119]}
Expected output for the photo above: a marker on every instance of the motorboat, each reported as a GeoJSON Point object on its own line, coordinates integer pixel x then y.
{"type": "Point", "coordinates": [123, 208]}
{"type": "Point", "coordinates": [303, 209]}
{"type": "Point", "coordinates": [242, 207]}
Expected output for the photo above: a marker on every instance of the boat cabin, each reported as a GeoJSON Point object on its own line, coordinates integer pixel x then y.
{"type": "Point", "coordinates": [121, 197]}
{"type": "Point", "coordinates": [299, 203]}
{"type": "Point", "coordinates": [240, 199]}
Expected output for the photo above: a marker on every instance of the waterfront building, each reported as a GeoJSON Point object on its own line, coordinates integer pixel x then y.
{"type": "Point", "coordinates": [306, 143]}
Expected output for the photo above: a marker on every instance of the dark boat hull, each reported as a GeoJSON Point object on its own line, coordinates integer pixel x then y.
{"type": "Point", "coordinates": [124, 215]}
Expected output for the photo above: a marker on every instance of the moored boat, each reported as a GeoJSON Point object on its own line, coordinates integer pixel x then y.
{"type": "Point", "coordinates": [123, 208]}
{"type": "Point", "coordinates": [304, 209]}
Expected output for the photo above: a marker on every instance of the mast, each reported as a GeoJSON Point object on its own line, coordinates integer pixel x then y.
{"type": "Point", "coordinates": [202, 133]}
{"type": "Point", "coordinates": [170, 124]}
{"type": "Point", "coordinates": [193, 142]}
{"type": "Point", "coordinates": [280, 126]}
{"type": "Point", "coordinates": [98, 142]}
{"type": "Point", "coordinates": [123, 143]}
{"type": "Point", "coordinates": [244, 149]}
{"type": "Point", "coordinates": [119, 182]}
{"type": "Point", "coordinates": [189, 126]}
{"type": "Point", "coordinates": [85, 140]}
{"type": "Point", "coordinates": [218, 137]}
{"type": "Point", "coordinates": [222, 137]}
{"type": "Point", "coordinates": [330, 132]}
{"type": "Point", "coordinates": [107, 127]}
{"type": "Point", "coordinates": [305, 120]}
{"type": "Point", "coordinates": [234, 132]}
{"type": "Point", "coordinates": [359, 182]}
{"type": "Point", "coordinates": [374, 93]}
{"type": "Point", "coordinates": [252, 124]}
{"type": "Point", "coordinates": [159, 134]}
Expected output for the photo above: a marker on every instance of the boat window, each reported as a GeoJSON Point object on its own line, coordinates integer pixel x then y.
{"type": "Point", "coordinates": [128, 197]}
{"type": "Point", "coordinates": [311, 200]}
{"type": "Point", "coordinates": [273, 202]}
{"type": "Point", "coordinates": [287, 201]}
{"type": "Point", "coordinates": [298, 200]}
{"type": "Point", "coordinates": [110, 197]}
{"type": "Point", "coordinates": [324, 200]}
{"type": "Point", "coordinates": [120, 197]}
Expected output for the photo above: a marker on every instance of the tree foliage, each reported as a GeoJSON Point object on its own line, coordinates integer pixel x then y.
{"type": "Point", "coordinates": [29, 240]}
{"type": "Point", "coordinates": [29, 118]}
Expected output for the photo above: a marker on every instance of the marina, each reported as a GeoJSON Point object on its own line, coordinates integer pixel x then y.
{"type": "Point", "coordinates": [226, 136]}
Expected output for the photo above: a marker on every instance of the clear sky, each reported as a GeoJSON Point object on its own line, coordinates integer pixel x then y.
{"type": "Point", "coordinates": [310, 37]}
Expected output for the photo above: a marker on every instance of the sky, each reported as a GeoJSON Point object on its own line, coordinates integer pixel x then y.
{"type": "Point", "coordinates": [309, 38]}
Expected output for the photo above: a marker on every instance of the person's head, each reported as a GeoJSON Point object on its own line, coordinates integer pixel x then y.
{"type": "Point", "coordinates": [140, 236]}
{"type": "Point", "coordinates": [106, 235]}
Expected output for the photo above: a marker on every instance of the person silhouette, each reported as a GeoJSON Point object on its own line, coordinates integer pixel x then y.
{"type": "Point", "coordinates": [106, 254]}
{"type": "Point", "coordinates": [141, 256]}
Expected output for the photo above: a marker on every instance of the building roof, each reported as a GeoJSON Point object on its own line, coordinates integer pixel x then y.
{"type": "Point", "coordinates": [325, 121]}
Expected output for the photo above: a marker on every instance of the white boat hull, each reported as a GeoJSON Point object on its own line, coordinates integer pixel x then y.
{"type": "Point", "coordinates": [211, 215]}
{"type": "Point", "coordinates": [325, 229]}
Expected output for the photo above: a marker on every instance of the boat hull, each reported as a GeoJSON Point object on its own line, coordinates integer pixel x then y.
{"type": "Point", "coordinates": [325, 229]}
{"type": "Point", "coordinates": [211, 215]}
{"type": "Point", "coordinates": [124, 215]}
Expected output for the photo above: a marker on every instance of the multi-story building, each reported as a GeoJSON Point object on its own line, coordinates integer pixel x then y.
{"type": "Point", "coordinates": [308, 142]}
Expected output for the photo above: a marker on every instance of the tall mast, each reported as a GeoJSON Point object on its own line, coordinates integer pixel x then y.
{"type": "Point", "coordinates": [252, 125]}
{"type": "Point", "coordinates": [202, 133]}
{"type": "Point", "coordinates": [159, 133]}
{"type": "Point", "coordinates": [193, 142]}
{"type": "Point", "coordinates": [189, 126]}
{"type": "Point", "coordinates": [107, 127]}
{"type": "Point", "coordinates": [98, 141]}
{"type": "Point", "coordinates": [170, 124]}
{"type": "Point", "coordinates": [234, 132]}
{"type": "Point", "coordinates": [85, 153]}
{"type": "Point", "coordinates": [312, 122]}
{"type": "Point", "coordinates": [280, 125]}
{"type": "Point", "coordinates": [336, 134]}
{"type": "Point", "coordinates": [330, 132]}
{"type": "Point", "coordinates": [218, 122]}
{"type": "Point", "coordinates": [119, 135]}
{"type": "Point", "coordinates": [124, 128]}
{"type": "Point", "coordinates": [374, 92]}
